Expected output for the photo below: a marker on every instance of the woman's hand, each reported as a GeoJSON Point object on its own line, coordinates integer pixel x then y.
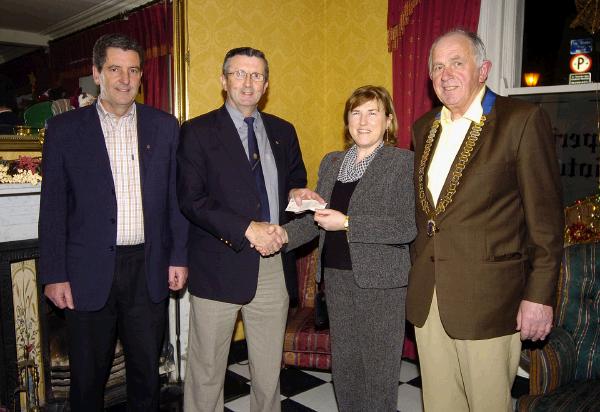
{"type": "Point", "coordinates": [330, 219]}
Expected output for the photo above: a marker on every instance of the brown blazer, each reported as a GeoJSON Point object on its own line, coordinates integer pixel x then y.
{"type": "Point", "coordinates": [500, 239]}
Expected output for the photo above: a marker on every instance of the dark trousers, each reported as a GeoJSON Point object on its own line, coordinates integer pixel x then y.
{"type": "Point", "coordinates": [137, 321]}
{"type": "Point", "coordinates": [367, 335]}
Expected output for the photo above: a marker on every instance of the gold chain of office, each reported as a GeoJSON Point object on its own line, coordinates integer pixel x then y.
{"type": "Point", "coordinates": [463, 158]}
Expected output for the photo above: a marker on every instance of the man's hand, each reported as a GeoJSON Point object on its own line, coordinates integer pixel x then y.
{"type": "Point", "coordinates": [266, 238]}
{"type": "Point", "coordinates": [177, 277]}
{"type": "Point", "coordinates": [304, 194]}
{"type": "Point", "coordinates": [534, 320]}
{"type": "Point", "coordinates": [60, 294]}
{"type": "Point", "coordinates": [330, 219]}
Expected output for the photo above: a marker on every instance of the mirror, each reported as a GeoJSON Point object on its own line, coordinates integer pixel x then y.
{"type": "Point", "coordinates": [27, 139]}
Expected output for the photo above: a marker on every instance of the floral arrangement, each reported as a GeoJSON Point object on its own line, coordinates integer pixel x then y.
{"type": "Point", "coordinates": [25, 169]}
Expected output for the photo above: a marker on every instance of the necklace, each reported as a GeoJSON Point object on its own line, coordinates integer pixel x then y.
{"type": "Point", "coordinates": [463, 159]}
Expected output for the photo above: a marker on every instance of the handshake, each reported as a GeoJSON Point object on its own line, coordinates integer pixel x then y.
{"type": "Point", "coordinates": [266, 238]}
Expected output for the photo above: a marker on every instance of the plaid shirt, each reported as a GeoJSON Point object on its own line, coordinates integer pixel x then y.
{"type": "Point", "coordinates": [120, 136]}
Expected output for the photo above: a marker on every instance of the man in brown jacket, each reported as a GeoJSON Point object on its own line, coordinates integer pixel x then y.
{"type": "Point", "coordinates": [490, 220]}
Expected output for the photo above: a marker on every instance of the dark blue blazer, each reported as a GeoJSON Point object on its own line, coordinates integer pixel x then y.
{"type": "Point", "coordinates": [217, 193]}
{"type": "Point", "coordinates": [78, 208]}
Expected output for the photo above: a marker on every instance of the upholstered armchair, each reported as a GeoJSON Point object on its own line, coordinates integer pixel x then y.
{"type": "Point", "coordinates": [565, 372]}
{"type": "Point", "coordinates": [305, 346]}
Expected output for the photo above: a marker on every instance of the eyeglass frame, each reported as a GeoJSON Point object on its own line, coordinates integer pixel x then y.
{"type": "Point", "coordinates": [253, 76]}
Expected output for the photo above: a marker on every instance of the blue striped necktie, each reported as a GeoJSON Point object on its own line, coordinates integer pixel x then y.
{"type": "Point", "coordinates": [254, 158]}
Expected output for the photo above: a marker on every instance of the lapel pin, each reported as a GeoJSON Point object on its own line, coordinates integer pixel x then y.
{"type": "Point", "coordinates": [147, 147]}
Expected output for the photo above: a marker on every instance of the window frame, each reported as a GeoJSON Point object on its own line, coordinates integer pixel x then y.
{"type": "Point", "coordinates": [501, 24]}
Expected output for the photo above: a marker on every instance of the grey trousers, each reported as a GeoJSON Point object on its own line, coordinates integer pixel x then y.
{"type": "Point", "coordinates": [367, 334]}
{"type": "Point", "coordinates": [211, 327]}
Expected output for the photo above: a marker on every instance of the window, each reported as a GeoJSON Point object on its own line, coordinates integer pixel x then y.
{"type": "Point", "coordinates": [548, 39]}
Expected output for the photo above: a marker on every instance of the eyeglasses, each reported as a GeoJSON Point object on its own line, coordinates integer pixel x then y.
{"type": "Point", "coordinates": [242, 74]}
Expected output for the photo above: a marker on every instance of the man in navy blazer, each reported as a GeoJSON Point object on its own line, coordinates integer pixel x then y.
{"type": "Point", "coordinates": [112, 238]}
{"type": "Point", "coordinates": [236, 168]}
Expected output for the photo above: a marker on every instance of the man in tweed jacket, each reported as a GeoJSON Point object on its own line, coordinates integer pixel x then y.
{"type": "Point", "coordinates": [489, 218]}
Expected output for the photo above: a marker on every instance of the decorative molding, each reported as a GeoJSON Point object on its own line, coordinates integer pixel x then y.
{"type": "Point", "coordinates": [25, 38]}
{"type": "Point", "coordinates": [91, 16]}
{"type": "Point", "coordinates": [181, 60]}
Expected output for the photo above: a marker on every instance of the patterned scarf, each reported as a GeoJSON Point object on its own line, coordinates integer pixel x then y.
{"type": "Point", "coordinates": [351, 170]}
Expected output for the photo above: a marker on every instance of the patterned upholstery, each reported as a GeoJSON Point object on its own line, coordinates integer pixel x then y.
{"type": "Point", "coordinates": [565, 373]}
{"type": "Point", "coordinates": [304, 346]}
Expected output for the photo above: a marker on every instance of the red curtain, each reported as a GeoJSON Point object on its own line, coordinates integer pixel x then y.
{"type": "Point", "coordinates": [412, 27]}
{"type": "Point", "coordinates": [151, 26]}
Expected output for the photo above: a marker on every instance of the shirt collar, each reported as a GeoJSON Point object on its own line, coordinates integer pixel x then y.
{"type": "Point", "coordinates": [104, 113]}
{"type": "Point", "coordinates": [473, 113]}
{"type": "Point", "coordinates": [238, 117]}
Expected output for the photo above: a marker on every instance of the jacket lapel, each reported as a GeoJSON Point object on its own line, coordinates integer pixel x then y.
{"type": "Point", "coordinates": [370, 176]}
{"type": "Point", "coordinates": [331, 174]}
{"type": "Point", "coordinates": [146, 140]}
{"type": "Point", "coordinates": [486, 131]}
{"type": "Point", "coordinates": [277, 151]}
{"type": "Point", "coordinates": [95, 144]}
{"type": "Point", "coordinates": [426, 172]}
{"type": "Point", "coordinates": [230, 139]}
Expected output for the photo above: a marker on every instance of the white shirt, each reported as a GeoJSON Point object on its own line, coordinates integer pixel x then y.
{"type": "Point", "coordinates": [120, 136]}
{"type": "Point", "coordinates": [450, 141]}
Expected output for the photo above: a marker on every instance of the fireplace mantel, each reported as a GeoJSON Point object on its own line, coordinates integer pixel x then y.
{"type": "Point", "coordinates": [19, 210]}
{"type": "Point", "coordinates": [19, 206]}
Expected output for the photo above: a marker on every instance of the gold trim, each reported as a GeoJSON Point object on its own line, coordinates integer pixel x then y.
{"type": "Point", "coordinates": [463, 159]}
{"type": "Point", "coordinates": [181, 60]}
{"type": "Point", "coordinates": [20, 143]}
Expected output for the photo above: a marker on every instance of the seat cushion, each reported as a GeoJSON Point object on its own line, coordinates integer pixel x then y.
{"type": "Point", "coordinates": [578, 309]}
{"type": "Point", "coordinates": [553, 365]}
{"type": "Point", "coordinates": [304, 346]}
{"type": "Point", "coordinates": [306, 266]}
{"type": "Point", "coordinates": [575, 397]}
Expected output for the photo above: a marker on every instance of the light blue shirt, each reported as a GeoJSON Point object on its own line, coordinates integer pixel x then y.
{"type": "Point", "coordinates": [267, 159]}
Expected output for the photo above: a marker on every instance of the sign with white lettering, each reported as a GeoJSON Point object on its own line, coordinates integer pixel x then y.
{"type": "Point", "coordinates": [580, 78]}
{"type": "Point", "coordinates": [581, 46]}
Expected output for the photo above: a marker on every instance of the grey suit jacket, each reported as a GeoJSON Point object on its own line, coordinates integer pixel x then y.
{"type": "Point", "coordinates": [382, 218]}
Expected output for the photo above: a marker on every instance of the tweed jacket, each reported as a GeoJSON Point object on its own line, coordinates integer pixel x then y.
{"type": "Point", "coordinates": [382, 221]}
{"type": "Point", "coordinates": [500, 238]}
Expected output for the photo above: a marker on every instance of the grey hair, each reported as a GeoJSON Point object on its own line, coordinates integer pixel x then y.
{"type": "Point", "coordinates": [245, 51]}
{"type": "Point", "coordinates": [477, 45]}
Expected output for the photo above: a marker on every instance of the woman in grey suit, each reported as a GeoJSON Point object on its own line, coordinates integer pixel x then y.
{"type": "Point", "coordinates": [363, 245]}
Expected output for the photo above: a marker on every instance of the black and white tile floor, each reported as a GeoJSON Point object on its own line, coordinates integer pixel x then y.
{"type": "Point", "coordinates": [309, 390]}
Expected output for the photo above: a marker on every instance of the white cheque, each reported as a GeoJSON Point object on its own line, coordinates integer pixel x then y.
{"type": "Point", "coordinates": [306, 206]}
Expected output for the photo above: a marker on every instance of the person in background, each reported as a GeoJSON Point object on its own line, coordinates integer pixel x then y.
{"type": "Point", "coordinates": [8, 102]}
{"type": "Point", "coordinates": [112, 238]}
{"type": "Point", "coordinates": [490, 224]}
{"type": "Point", "coordinates": [363, 251]}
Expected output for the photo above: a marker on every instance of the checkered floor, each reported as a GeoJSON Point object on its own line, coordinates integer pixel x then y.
{"type": "Point", "coordinates": [307, 390]}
